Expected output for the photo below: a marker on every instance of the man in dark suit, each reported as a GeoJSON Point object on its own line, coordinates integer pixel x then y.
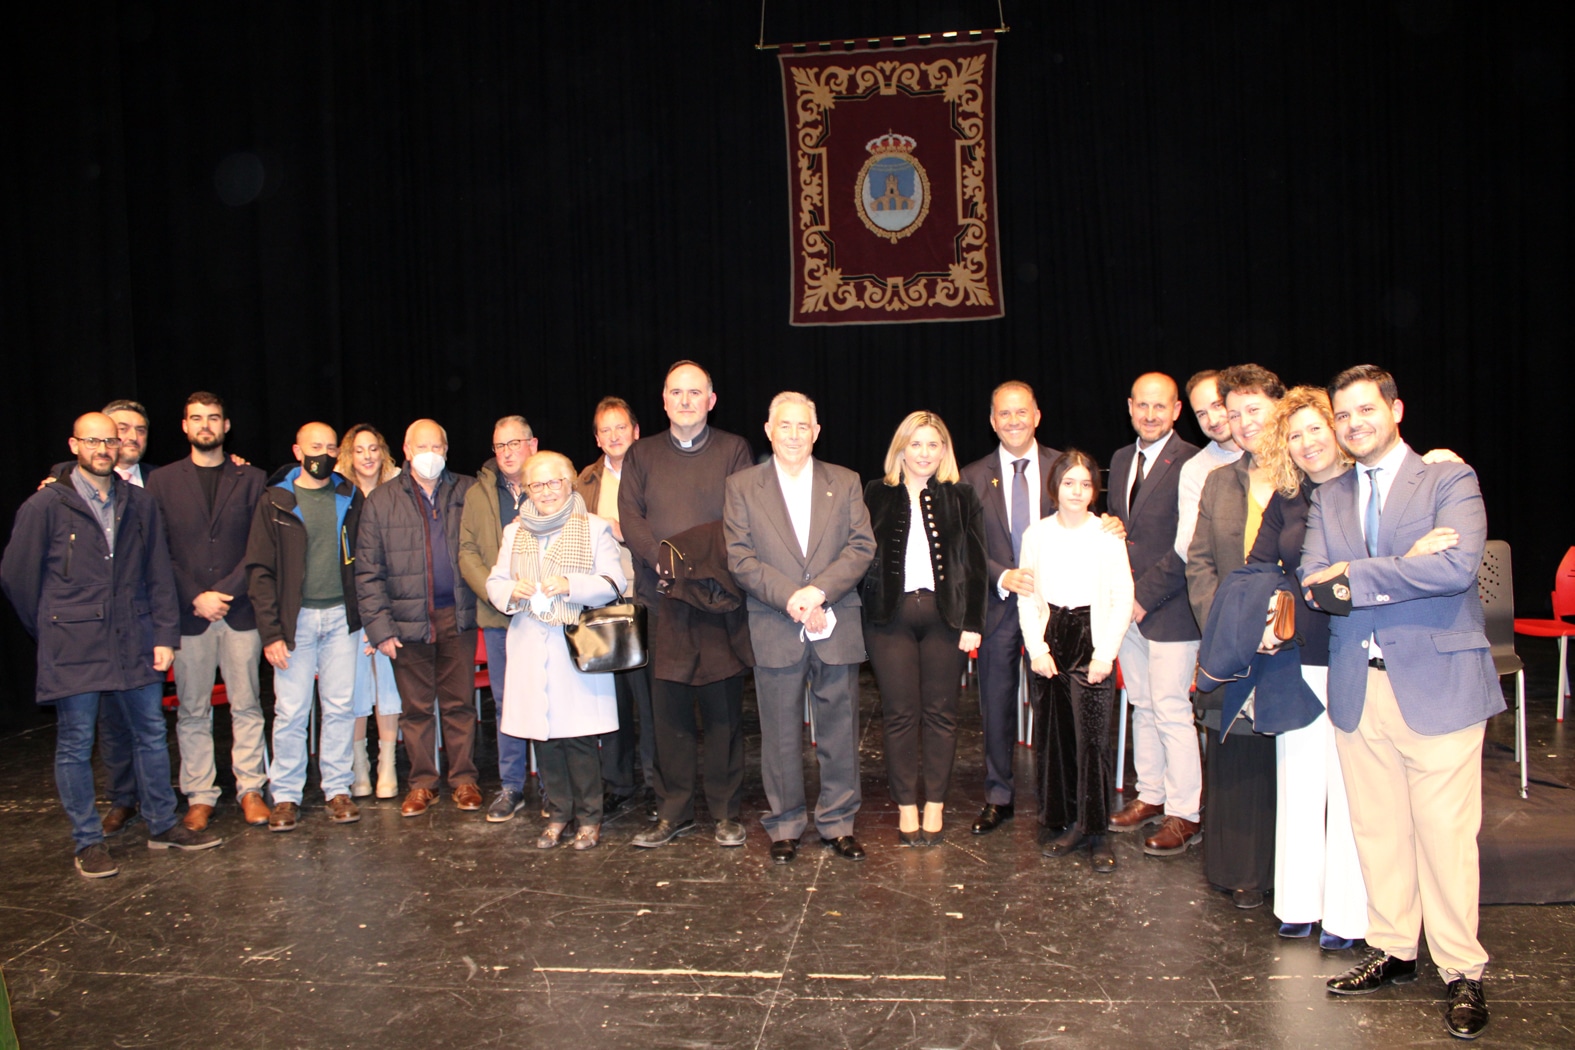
{"type": "Point", "coordinates": [1011, 484]}
{"type": "Point", "coordinates": [798, 542]}
{"type": "Point", "coordinates": [207, 503]}
{"type": "Point", "coordinates": [1411, 686]}
{"type": "Point", "coordinates": [1161, 646]}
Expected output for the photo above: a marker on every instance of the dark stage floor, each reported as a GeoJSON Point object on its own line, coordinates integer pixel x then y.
{"type": "Point", "coordinates": [445, 931]}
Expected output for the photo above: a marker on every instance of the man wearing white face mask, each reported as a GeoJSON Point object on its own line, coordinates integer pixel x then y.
{"type": "Point", "coordinates": [417, 609]}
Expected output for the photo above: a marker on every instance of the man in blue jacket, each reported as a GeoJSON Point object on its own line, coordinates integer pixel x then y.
{"type": "Point", "coordinates": [88, 572]}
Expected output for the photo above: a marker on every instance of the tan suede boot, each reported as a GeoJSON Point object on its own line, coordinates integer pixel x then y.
{"type": "Point", "coordinates": [387, 779]}
{"type": "Point", "coordinates": [361, 769]}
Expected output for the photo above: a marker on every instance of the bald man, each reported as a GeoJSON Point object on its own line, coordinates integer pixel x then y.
{"type": "Point", "coordinates": [89, 573]}
{"type": "Point", "coordinates": [418, 611]}
{"type": "Point", "coordinates": [301, 573]}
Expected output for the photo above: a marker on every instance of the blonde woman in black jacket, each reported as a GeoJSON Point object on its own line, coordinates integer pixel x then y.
{"type": "Point", "coordinates": [924, 600]}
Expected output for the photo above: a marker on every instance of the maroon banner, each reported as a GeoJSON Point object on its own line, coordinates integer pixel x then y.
{"type": "Point", "coordinates": [892, 184]}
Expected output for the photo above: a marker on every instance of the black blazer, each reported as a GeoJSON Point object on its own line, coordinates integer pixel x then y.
{"type": "Point", "coordinates": [1157, 572]}
{"type": "Point", "coordinates": [955, 522]}
{"type": "Point", "coordinates": [209, 549]}
{"type": "Point", "coordinates": [985, 477]}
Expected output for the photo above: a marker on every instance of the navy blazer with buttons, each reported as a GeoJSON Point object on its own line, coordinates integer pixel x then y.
{"type": "Point", "coordinates": [993, 491]}
{"type": "Point", "coordinates": [208, 548]}
{"type": "Point", "coordinates": [1158, 575]}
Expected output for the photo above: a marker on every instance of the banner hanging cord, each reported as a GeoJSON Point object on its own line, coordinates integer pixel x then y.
{"type": "Point", "coordinates": [923, 38]}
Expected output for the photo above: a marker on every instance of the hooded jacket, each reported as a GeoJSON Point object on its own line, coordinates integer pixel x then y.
{"type": "Point", "coordinates": [276, 555]}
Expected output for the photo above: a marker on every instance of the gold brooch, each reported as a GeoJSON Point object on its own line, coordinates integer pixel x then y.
{"type": "Point", "coordinates": [995, 483]}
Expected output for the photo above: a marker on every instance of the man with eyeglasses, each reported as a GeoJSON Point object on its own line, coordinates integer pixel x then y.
{"type": "Point", "coordinates": [89, 574]}
{"type": "Point", "coordinates": [207, 502]}
{"type": "Point", "coordinates": [616, 431]}
{"type": "Point", "coordinates": [492, 502]}
{"type": "Point", "coordinates": [418, 610]}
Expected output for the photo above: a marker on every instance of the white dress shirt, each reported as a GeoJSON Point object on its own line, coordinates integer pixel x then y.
{"type": "Point", "coordinates": [799, 495]}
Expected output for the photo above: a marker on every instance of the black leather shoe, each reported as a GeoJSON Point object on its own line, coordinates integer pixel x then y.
{"type": "Point", "coordinates": [932, 838]}
{"type": "Point", "coordinates": [1467, 1013]}
{"type": "Point", "coordinates": [1069, 841]}
{"type": "Point", "coordinates": [1374, 971]}
{"type": "Point", "coordinates": [1247, 899]}
{"type": "Point", "coordinates": [612, 802]}
{"type": "Point", "coordinates": [1101, 858]}
{"type": "Point", "coordinates": [910, 838]}
{"type": "Point", "coordinates": [846, 846]}
{"type": "Point", "coordinates": [990, 818]}
{"type": "Point", "coordinates": [664, 832]}
{"type": "Point", "coordinates": [784, 850]}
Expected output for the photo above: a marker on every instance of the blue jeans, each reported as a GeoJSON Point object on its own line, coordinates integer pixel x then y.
{"type": "Point", "coordinates": [75, 720]}
{"type": "Point", "coordinates": [324, 655]}
{"type": "Point", "coordinates": [114, 750]}
{"type": "Point", "coordinates": [513, 751]}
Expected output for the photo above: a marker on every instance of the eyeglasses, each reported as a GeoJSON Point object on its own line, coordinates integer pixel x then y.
{"type": "Point", "coordinates": [536, 488]}
{"type": "Point", "coordinates": [94, 443]}
{"type": "Point", "coordinates": [509, 446]}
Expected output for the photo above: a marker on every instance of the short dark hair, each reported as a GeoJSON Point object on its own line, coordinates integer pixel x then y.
{"type": "Point", "coordinates": [205, 397]}
{"type": "Point", "coordinates": [676, 365]}
{"type": "Point", "coordinates": [1366, 374]}
{"type": "Point", "coordinates": [125, 405]}
{"type": "Point", "coordinates": [608, 403]}
{"type": "Point", "coordinates": [1073, 457]}
{"type": "Point", "coordinates": [1249, 379]}
{"type": "Point", "coordinates": [1202, 377]}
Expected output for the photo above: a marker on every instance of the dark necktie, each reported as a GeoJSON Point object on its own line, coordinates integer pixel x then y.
{"type": "Point", "coordinates": [1370, 522]}
{"type": "Point", "coordinates": [1019, 505]}
{"type": "Point", "coordinates": [1137, 480]}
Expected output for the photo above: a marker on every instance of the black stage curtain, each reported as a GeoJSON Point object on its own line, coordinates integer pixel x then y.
{"type": "Point", "coordinates": [382, 210]}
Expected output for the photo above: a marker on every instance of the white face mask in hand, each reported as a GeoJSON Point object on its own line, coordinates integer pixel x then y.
{"type": "Point", "coordinates": [540, 603]}
{"type": "Point", "coordinates": [428, 466]}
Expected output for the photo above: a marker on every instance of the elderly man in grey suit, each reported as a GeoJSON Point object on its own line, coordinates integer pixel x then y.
{"type": "Point", "coordinates": [1411, 686]}
{"type": "Point", "coordinates": [798, 542]}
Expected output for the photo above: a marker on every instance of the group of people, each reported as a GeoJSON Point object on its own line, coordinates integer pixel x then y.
{"type": "Point", "coordinates": [1343, 754]}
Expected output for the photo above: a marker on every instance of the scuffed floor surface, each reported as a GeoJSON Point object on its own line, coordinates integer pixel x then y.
{"type": "Point", "coordinates": [446, 931]}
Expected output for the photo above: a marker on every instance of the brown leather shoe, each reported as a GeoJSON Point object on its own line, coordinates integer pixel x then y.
{"type": "Point", "coordinates": [416, 802]}
{"type": "Point", "coordinates": [197, 816]}
{"type": "Point", "coordinates": [1173, 837]}
{"type": "Point", "coordinates": [117, 818]}
{"type": "Point", "coordinates": [1134, 815]}
{"type": "Point", "coordinates": [253, 809]}
{"type": "Point", "coordinates": [343, 811]}
{"type": "Point", "coordinates": [283, 816]}
{"type": "Point", "coordinates": [467, 797]}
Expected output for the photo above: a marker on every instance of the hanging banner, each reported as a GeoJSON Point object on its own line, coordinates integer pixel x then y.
{"type": "Point", "coordinates": [891, 175]}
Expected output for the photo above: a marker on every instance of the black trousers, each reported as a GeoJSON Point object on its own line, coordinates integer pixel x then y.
{"type": "Point", "coordinates": [1239, 788]}
{"type": "Point", "coordinates": [571, 774]}
{"type": "Point", "coordinates": [918, 668]}
{"type": "Point", "coordinates": [1074, 766]}
{"type": "Point", "coordinates": [629, 752]}
{"type": "Point", "coordinates": [721, 709]}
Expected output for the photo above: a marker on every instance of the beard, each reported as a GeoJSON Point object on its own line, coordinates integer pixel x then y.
{"type": "Point", "coordinates": [90, 464]}
{"type": "Point", "coordinates": [202, 444]}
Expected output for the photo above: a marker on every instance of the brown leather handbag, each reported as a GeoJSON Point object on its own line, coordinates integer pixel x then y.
{"type": "Point", "coordinates": [1283, 616]}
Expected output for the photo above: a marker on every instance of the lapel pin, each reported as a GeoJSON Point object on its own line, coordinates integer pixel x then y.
{"type": "Point", "coordinates": [995, 483]}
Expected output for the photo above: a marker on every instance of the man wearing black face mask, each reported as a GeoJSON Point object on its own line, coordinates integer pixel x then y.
{"type": "Point", "coordinates": [301, 571]}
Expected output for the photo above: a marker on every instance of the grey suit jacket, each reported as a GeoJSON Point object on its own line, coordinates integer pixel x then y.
{"type": "Point", "coordinates": [985, 477]}
{"type": "Point", "coordinates": [764, 557]}
{"type": "Point", "coordinates": [1158, 576]}
{"type": "Point", "coordinates": [1424, 611]}
{"type": "Point", "coordinates": [1216, 549]}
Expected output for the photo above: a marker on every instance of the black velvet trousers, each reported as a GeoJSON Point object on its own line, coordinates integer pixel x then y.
{"type": "Point", "coordinates": [1075, 766]}
{"type": "Point", "coordinates": [918, 668]}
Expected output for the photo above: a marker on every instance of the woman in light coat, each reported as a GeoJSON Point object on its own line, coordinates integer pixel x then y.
{"type": "Point", "coordinates": [555, 560]}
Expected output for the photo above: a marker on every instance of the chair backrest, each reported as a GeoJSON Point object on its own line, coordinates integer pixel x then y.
{"type": "Point", "coordinates": [1496, 589]}
{"type": "Point", "coordinates": [1564, 587]}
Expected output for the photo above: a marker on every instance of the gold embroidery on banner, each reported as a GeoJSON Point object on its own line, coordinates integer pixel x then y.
{"type": "Point", "coordinates": [817, 91]}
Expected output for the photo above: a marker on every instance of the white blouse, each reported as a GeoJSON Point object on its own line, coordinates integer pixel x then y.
{"type": "Point", "coordinates": [1072, 568]}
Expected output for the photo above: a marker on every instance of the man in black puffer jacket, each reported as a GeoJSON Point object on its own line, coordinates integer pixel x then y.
{"type": "Point", "coordinates": [417, 609]}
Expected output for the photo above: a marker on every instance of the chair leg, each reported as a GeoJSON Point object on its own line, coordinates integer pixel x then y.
{"type": "Point", "coordinates": [1121, 740]}
{"type": "Point", "coordinates": [1520, 727]}
{"type": "Point", "coordinates": [1025, 705]}
{"type": "Point", "coordinates": [1564, 674]}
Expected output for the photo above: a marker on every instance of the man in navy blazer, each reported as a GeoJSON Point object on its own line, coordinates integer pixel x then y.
{"type": "Point", "coordinates": [1411, 686]}
{"type": "Point", "coordinates": [207, 502]}
{"type": "Point", "coordinates": [1014, 498]}
{"type": "Point", "coordinates": [798, 543]}
{"type": "Point", "coordinates": [1161, 645]}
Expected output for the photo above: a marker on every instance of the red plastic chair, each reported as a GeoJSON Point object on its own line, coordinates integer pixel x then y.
{"type": "Point", "coordinates": [1558, 627]}
{"type": "Point", "coordinates": [172, 699]}
{"type": "Point", "coordinates": [483, 675]}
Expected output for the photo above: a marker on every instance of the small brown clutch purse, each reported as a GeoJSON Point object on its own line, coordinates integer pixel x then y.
{"type": "Point", "coordinates": [1283, 615]}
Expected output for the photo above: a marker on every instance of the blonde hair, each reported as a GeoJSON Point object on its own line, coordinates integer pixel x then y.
{"type": "Point", "coordinates": [909, 426]}
{"type": "Point", "coordinates": [549, 457]}
{"type": "Point", "coordinates": [346, 464]}
{"type": "Point", "coordinates": [1275, 456]}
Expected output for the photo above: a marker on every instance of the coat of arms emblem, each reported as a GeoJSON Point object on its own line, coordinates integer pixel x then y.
{"type": "Point", "coordinates": [893, 190]}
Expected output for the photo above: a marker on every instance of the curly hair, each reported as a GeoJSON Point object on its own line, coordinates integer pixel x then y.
{"type": "Point", "coordinates": [1273, 453]}
{"type": "Point", "coordinates": [346, 464]}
